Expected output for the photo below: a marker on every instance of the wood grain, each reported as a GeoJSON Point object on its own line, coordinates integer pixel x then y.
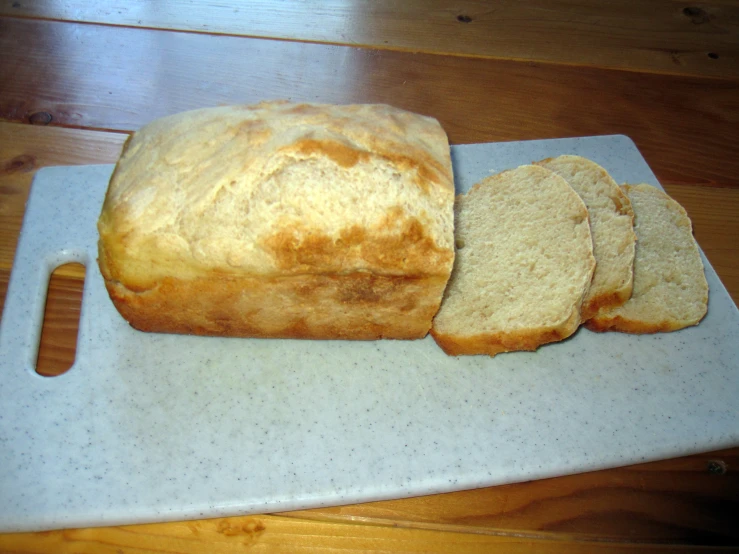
{"type": "Point", "coordinates": [271, 533]}
{"type": "Point", "coordinates": [119, 78]}
{"type": "Point", "coordinates": [715, 217]}
{"type": "Point", "coordinates": [26, 148]}
{"type": "Point", "coordinates": [660, 36]}
{"type": "Point", "coordinates": [675, 500]}
{"type": "Point", "coordinates": [58, 346]}
{"type": "Point", "coordinates": [56, 352]}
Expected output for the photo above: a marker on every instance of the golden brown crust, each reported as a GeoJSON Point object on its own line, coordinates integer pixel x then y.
{"type": "Point", "coordinates": [604, 302]}
{"type": "Point", "coordinates": [399, 246]}
{"type": "Point", "coordinates": [360, 306]}
{"type": "Point", "coordinates": [426, 169]}
{"type": "Point", "coordinates": [341, 154]}
{"type": "Point", "coordinates": [495, 343]}
{"type": "Point", "coordinates": [618, 323]}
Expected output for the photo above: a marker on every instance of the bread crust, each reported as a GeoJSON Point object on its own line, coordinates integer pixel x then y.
{"type": "Point", "coordinates": [603, 302]}
{"type": "Point", "coordinates": [496, 343]}
{"type": "Point", "coordinates": [604, 323]}
{"type": "Point", "coordinates": [358, 306]}
{"type": "Point", "coordinates": [240, 211]}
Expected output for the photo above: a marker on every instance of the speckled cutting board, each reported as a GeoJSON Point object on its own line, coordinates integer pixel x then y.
{"type": "Point", "coordinates": [151, 427]}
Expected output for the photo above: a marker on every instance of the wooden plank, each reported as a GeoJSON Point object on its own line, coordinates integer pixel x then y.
{"type": "Point", "coordinates": [270, 533]}
{"type": "Point", "coordinates": [661, 36]}
{"type": "Point", "coordinates": [715, 216]}
{"type": "Point", "coordinates": [678, 501]}
{"type": "Point", "coordinates": [120, 78]}
{"type": "Point", "coordinates": [26, 148]}
{"type": "Point", "coordinates": [58, 345]}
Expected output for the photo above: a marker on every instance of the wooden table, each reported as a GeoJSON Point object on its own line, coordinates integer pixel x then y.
{"type": "Point", "coordinates": [77, 76]}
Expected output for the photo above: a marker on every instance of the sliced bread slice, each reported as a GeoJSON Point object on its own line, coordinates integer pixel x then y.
{"type": "Point", "coordinates": [612, 227]}
{"type": "Point", "coordinates": [523, 264]}
{"type": "Point", "coordinates": [670, 288]}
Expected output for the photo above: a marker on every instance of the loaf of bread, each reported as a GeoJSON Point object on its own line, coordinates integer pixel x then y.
{"type": "Point", "coordinates": [612, 227]}
{"type": "Point", "coordinates": [281, 220]}
{"type": "Point", "coordinates": [670, 288]}
{"type": "Point", "coordinates": [523, 266]}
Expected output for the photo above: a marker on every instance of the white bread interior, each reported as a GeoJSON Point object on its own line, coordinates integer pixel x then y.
{"type": "Point", "coordinates": [524, 263]}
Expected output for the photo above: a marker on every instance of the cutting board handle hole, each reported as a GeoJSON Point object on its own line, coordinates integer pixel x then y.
{"type": "Point", "coordinates": [60, 327]}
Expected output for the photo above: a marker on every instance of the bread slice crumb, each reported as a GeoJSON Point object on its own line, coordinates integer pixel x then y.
{"type": "Point", "coordinates": [523, 265]}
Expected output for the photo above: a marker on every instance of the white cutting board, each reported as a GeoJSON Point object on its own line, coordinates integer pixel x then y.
{"type": "Point", "coordinates": [149, 427]}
